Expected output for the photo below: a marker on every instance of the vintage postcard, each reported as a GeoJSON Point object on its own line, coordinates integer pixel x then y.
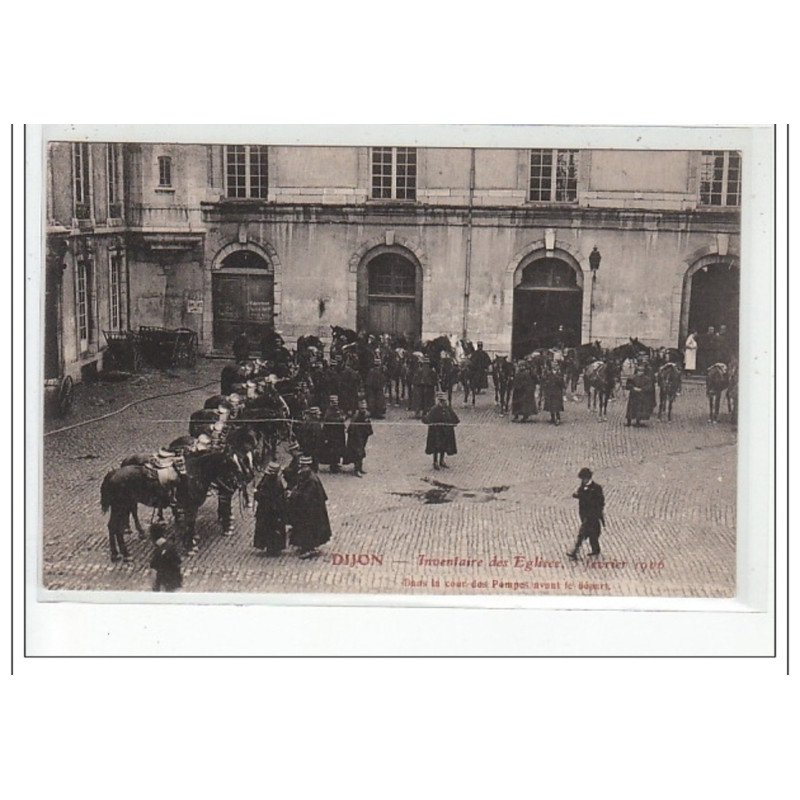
{"type": "Point", "coordinates": [464, 363]}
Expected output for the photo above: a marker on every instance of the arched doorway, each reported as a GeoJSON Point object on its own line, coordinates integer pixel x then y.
{"type": "Point", "coordinates": [711, 299]}
{"type": "Point", "coordinates": [548, 304]}
{"type": "Point", "coordinates": [390, 293]}
{"type": "Point", "coordinates": [242, 294]}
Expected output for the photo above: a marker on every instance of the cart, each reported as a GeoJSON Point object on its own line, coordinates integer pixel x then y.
{"type": "Point", "coordinates": [124, 353]}
{"type": "Point", "coordinates": [58, 396]}
{"type": "Point", "coordinates": [164, 347]}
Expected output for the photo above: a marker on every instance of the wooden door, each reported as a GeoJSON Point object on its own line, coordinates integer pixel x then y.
{"type": "Point", "coordinates": [241, 303]}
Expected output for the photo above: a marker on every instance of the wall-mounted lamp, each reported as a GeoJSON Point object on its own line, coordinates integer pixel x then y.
{"type": "Point", "coordinates": [594, 261]}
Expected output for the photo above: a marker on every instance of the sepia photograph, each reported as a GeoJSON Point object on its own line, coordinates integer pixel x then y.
{"type": "Point", "coordinates": [412, 367]}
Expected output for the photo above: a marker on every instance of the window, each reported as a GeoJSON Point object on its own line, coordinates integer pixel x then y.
{"type": "Point", "coordinates": [115, 279]}
{"type": "Point", "coordinates": [394, 173]}
{"type": "Point", "coordinates": [392, 274]}
{"type": "Point", "coordinates": [82, 303]}
{"type": "Point", "coordinates": [164, 172]}
{"type": "Point", "coordinates": [549, 273]}
{"type": "Point", "coordinates": [246, 171]}
{"type": "Point", "coordinates": [81, 185]}
{"type": "Point", "coordinates": [720, 178]}
{"type": "Point", "coordinates": [113, 173]}
{"type": "Point", "coordinates": [554, 176]}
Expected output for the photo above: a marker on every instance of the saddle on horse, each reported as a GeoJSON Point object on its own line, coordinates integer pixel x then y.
{"type": "Point", "coordinates": [166, 469]}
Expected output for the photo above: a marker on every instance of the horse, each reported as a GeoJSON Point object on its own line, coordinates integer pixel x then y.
{"type": "Point", "coordinates": [394, 362]}
{"type": "Point", "coordinates": [466, 377]}
{"type": "Point", "coordinates": [600, 376]}
{"type": "Point", "coordinates": [124, 488]}
{"type": "Point", "coordinates": [448, 376]}
{"type": "Point", "coordinates": [202, 421]}
{"type": "Point", "coordinates": [503, 380]}
{"type": "Point", "coordinates": [268, 416]}
{"type": "Point", "coordinates": [669, 382]}
{"type": "Point", "coordinates": [348, 334]}
{"type": "Point", "coordinates": [304, 342]}
{"type": "Point", "coordinates": [717, 381]}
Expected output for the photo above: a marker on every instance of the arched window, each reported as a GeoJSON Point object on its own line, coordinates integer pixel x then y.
{"type": "Point", "coordinates": [392, 274]}
{"type": "Point", "coordinates": [549, 273]}
{"type": "Point", "coordinates": [244, 259]}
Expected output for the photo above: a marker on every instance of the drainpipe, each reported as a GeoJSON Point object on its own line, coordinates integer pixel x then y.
{"type": "Point", "coordinates": [468, 264]}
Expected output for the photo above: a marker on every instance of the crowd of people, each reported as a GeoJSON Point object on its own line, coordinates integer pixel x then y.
{"type": "Point", "coordinates": [323, 407]}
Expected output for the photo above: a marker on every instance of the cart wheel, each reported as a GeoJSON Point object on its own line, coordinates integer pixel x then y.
{"type": "Point", "coordinates": [65, 396]}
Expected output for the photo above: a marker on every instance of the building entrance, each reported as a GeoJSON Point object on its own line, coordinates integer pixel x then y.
{"type": "Point", "coordinates": [547, 308]}
{"type": "Point", "coordinates": [242, 299]}
{"type": "Point", "coordinates": [392, 302]}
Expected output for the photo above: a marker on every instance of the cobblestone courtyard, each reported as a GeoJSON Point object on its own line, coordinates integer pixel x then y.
{"type": "Point", "coordinates": [502, 524]}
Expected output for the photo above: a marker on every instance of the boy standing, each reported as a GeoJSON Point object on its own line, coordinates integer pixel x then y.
{"type": "Point", "coordinates": [165, 561]}
{"type": "Point", "coordinates": [441, 421]}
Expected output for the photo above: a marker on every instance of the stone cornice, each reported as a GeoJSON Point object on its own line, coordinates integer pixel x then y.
{"type": "Point", "coordinates": [499, 216]}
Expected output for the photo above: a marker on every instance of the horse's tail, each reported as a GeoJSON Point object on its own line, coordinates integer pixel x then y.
{"type": "Point", "coordinates": [105, 492]}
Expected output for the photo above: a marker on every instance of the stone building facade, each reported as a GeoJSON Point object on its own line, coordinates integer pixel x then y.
{"type": "Point", "coordinates": [493, 244]}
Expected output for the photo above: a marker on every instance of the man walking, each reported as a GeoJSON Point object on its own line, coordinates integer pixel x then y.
{"type": "Point", "coordinates": [591, 504]}
{"type": "Point", "coordinates": [358, 432]}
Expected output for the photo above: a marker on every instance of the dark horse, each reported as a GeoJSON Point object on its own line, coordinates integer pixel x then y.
{"type": "Point", "coordinates": [669, 382]}
{"type": "Point", "coordinates": [394, 362]}
{"type": "Point", "coordinates": [716, 383]}
{"type": "Point", "coordinates": [124, 488]}
{"type": "Point", "coordinates": [503, 380]}
{"type": "Point", "coordinates": [468, 379]}
{"type": "Point", "coordinates": [600, 376]}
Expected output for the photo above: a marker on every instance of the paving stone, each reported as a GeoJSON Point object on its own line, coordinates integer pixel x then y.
{"type": "Point", "coordinates": [670, 500]}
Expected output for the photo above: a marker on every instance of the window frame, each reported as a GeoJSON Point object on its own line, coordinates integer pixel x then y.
{"type": "Point", "coordinates": [82, 304]}
{"type": "Point", "coordinates": [249, 180]}
{"type": "Point", "coordinates": [114, 182]}
{"type": "Point", "coordinates": [116, 290]}
{"type": "Point", "coordinates": [82, 177]}
{"type": "Point", "coordinates": [393, 174]}
{"type": "Point", "coordinates": [162, 162]}
{"type": "Point", "coordinates": [705, 200]}
{"type": "Point", "coordinates": [552, 175]}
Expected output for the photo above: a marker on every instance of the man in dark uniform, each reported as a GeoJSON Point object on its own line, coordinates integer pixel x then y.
{"type": "Point", "coordinates": [271, 514]}
{"type": "Point", "coordinates": [641, 397]}
{"type": "Point", "coordinates": [293, 467]}
{"type": "Point", "coordinates": [591, 505]}
{"type": "Point", "coordinates": [308, 515]}
{"type": "Point", "coordinates": [553, 388]}
{"type": "Point", "coordinates": [334, 433]}
{"type": "Point", "coordinates": [424, 387]}
{"type": "Point", "coordinates": [358, 432]}
{"type": "Point", "coordinates": [447, 374]}
{"type": "Point", "coordinates": [375, 382]}
{"type": "Point", "coordinates": [480, 363]}
{"type": "Point", "coordinates": [347, 387]}
{"type": "Point", "coordinates": [310, 436]}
